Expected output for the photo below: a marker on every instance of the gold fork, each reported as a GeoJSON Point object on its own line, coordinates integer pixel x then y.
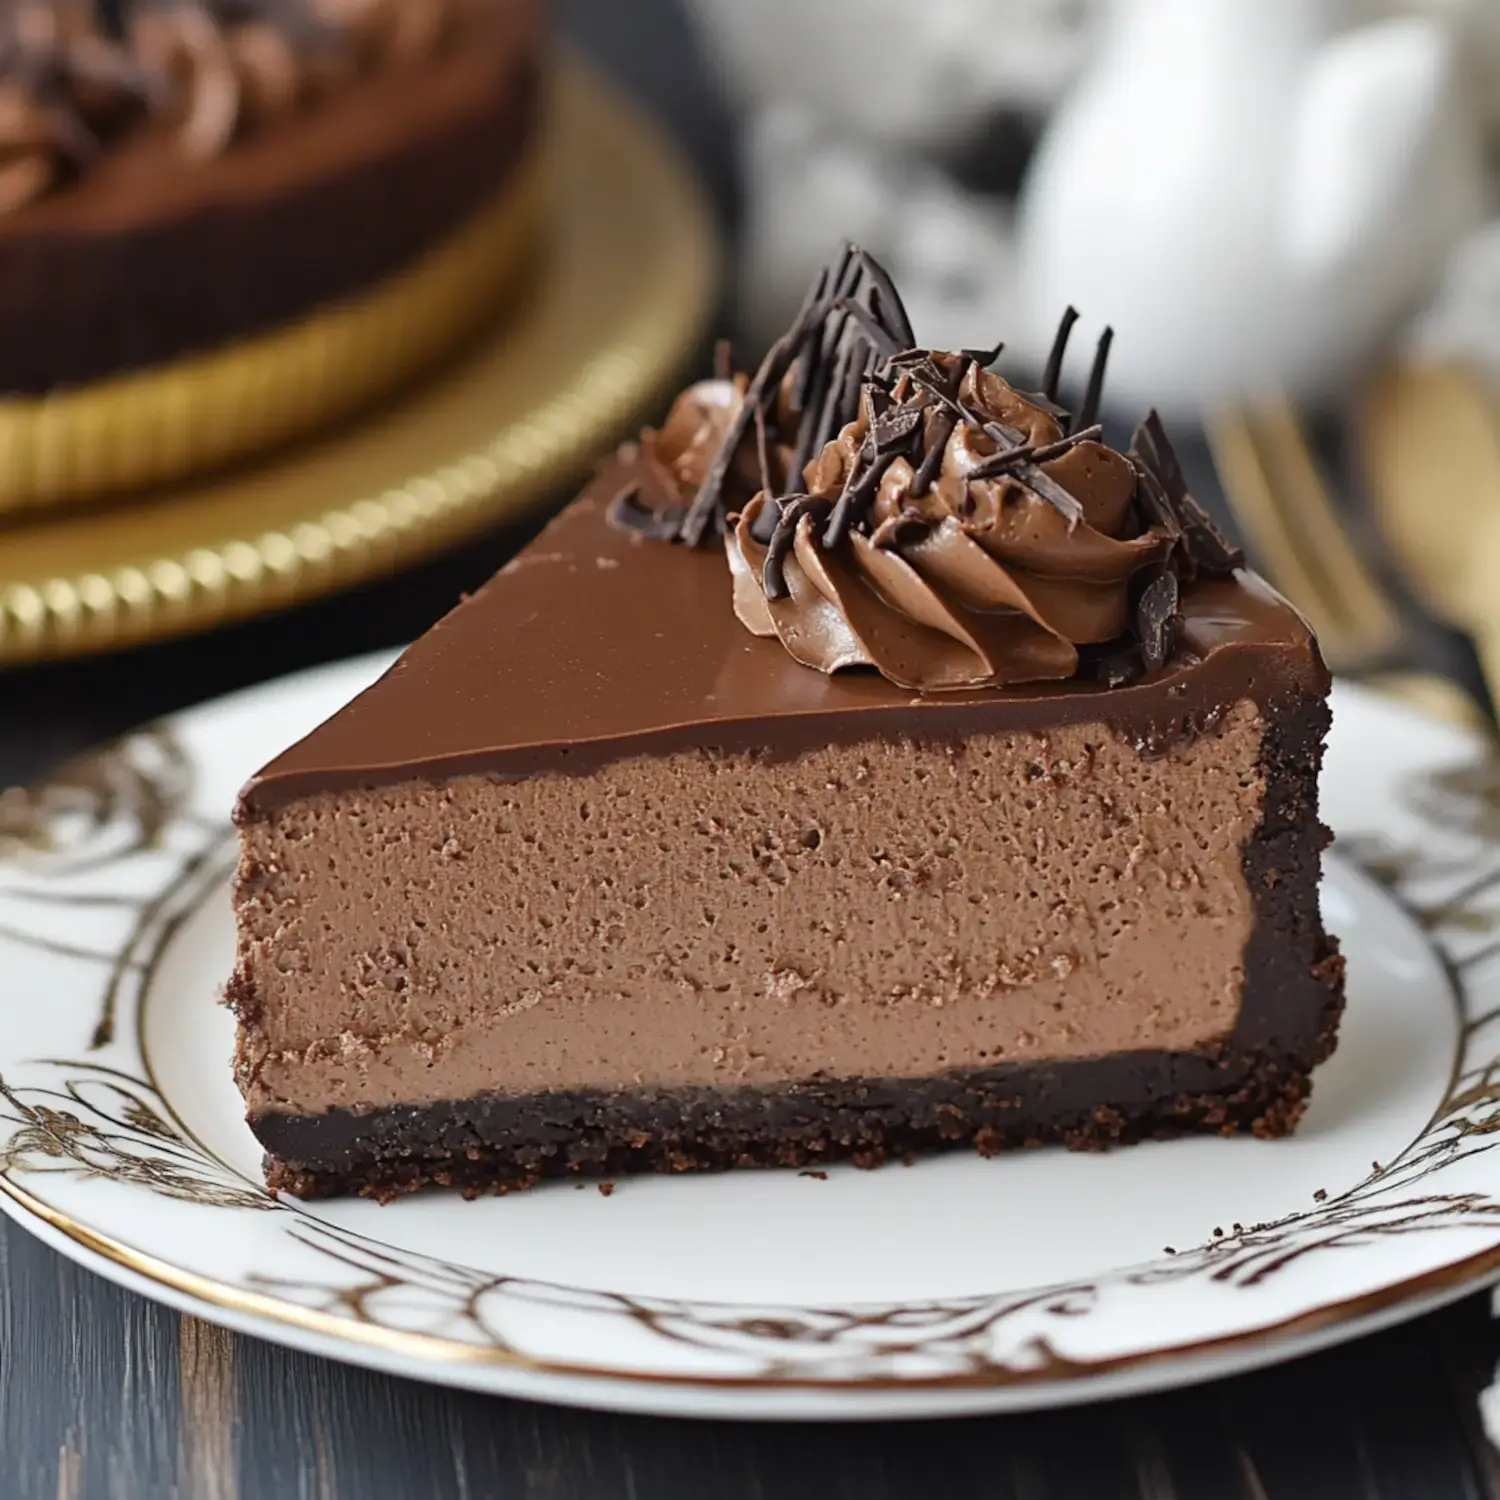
{"type": "Point", "coordinates": [1275, 487]}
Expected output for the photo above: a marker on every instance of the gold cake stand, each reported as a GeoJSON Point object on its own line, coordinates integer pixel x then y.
{"type": "Point", "coordinates": [627, 280]}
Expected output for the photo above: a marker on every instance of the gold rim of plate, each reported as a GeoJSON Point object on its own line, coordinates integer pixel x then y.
{"type": "Point", "coordinates": [626, 276]}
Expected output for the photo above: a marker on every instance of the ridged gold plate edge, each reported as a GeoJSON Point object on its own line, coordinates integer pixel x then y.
{"type": "Point", "coordinates": [626, 282]}
{"type": "Point", "coordinates": [182, 420]}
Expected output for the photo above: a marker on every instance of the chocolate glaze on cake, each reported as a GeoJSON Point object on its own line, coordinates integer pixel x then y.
{"type": "Point", "coordinates": [602, 877]}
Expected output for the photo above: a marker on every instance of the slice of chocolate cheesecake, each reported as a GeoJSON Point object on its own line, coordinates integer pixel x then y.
{"type": "Point", "coordinates": [872, 761]}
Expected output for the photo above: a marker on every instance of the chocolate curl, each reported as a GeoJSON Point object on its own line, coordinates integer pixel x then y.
{"type": "Point", "coordinates": [773, 574]}
{"type": "Point", "coordinates": [1053, 372]}
{"type": "Point", "coordinates": [1089, 412]}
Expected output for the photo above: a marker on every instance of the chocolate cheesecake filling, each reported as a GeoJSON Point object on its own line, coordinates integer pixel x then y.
{"type": "Point", "coordinates": [770, 916]}
{"type": "Point", "coordinates": [699, 920]}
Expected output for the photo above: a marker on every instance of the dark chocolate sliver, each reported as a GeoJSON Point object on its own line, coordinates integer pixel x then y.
{"type": "Point", "coordinates": [984, 358]}
{"type": "Point", "coordinates": [1156, 618]}
{"type": "Point", "coordinates": [825, 397]}
{"type": "Point", "coordinates": [1118, 668]}
{"type": "Point", "coordinates": [1002, 462]}
{"type": "Point", "coordinates": [1053, 372]}
{"type": "Point", "coordinates": [894, 429]}
{"type": "Point", "coordinates": [1041, 483]}
{"type": "Point", "coordinates": [1089, 411]}
{"type": "Point", "coordinates": [1028, 473]}
{"type": "Point", "coordinates": [844, 509]}
{"type": "Point", "coordinates": [628, 514]}
{"type": "Point", "coordinates": [1067, 444]}
{"type": "Point", "coordinates": [763, 454]}
{"type": "Point", "coordinates": [880, 338]}
{"type": "Point", "coordinates": [773, 574]}
{"type": "Point", "coordinates": [1152, 500]}
{"type": "Point", "coordinates": [707, 506]}
{"type": "Point", "coordinates": [932, 461]}
{"type": "Point", "coordinates": [1207, 546]}
{"type": "Point", "coordinates": [888, 299]}
{"type": "Point", "coordinates": [767, 519]}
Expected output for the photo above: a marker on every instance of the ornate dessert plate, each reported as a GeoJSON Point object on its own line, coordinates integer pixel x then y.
{"type": "Point", "coordinates": [623, 287]}
{"type": "Point", "coordinates": [955, 1285]}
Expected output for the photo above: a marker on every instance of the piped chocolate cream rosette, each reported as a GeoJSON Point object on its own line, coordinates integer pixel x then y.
{"type": "Point", "coordinates": [173, 130]}
{"type": "Point", "coordinates": [889, 506]}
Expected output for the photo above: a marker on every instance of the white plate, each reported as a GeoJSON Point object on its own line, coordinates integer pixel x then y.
{"type": "Point", "coordinates": [956, 1285]}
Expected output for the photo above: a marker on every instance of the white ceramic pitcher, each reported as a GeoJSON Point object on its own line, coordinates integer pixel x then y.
{"type": "Point", "coordinates": [1251, 193]}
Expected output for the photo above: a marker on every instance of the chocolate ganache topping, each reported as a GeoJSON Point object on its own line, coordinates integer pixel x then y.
{"type": "Point", "coordinates": [77, 74]}
{"type": "Point", "coordinates": [889, 506]}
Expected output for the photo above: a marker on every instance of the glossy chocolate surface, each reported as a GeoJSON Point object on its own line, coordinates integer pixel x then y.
{"type": "Point", "coordinates": [595, 644]}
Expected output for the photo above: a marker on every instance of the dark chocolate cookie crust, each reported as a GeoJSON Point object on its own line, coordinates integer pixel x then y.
{"type": "Point", "coordinates": [499, 1145]}
{"type": "Point", "coordinates": [1259, 1083]}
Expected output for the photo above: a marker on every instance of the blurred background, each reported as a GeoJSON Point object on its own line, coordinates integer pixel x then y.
{"type": "Point", "coordinates": [1288, 210]}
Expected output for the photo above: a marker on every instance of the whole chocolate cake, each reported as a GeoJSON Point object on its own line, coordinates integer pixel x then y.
{"type": "Point", "coordinates": [872, 761]}
{"type": "Point", "coordinates": [333, 192]}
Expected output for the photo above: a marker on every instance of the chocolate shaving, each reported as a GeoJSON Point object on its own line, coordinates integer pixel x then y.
{"type": "Point", "coordinates": [1156, 510]}
{"type": "Point", "coordinates": [932, 461]}
{"type": "Point", "coordinates": [658, 522]}
{"type": "Point", "coordinates": [1118, 668]}
{"type": "Point", "coordinates": [783, 539]}
{"type": "Point", "coordinates": [1089, 411]}
{"type": "Point", "coordinates": [1002, 462]}
{"type": "Point", "coordinates": [1053, 372]}
{"type": "Point", "coordinates": [1156, 617]}
{"type": "Point", "coordinates": [1043, 484]}
{"type": "Point", "coordinates": [851, 349]}
{"type": "Point", "coordinates": [843, 509]}
{"type": "Point", "coordinates": [926, 373]}
{"type": "Point", "coordinates": [856, 499]}
{"type": "Point", "coordinates": [723, 360]}
{"type": "Point", "coordinates": [984, 358]}
{"type": "Point", "coordinates": [820, 423]}
{"type": "Point", "coordinates": [820, 334]}
{"type": "Point", "coordinates": [891, 435]}
{"type": "Point", "coordinates": [1007, 458]}
{"type": "Point", "coordinates": [1207, 547]}
{"type": "Point", "coordinates": [767, 519]}
{"type": "Point", "coordinates": [763, 453]}
{"type": "Point", "coordinates": [1039, 482]}
{"type": "Point", "coordinates": [1065, 444]}
{"type": "Point", "coordinates": [894, 429]}
{"type": "Point", "coordinates": [706, 509]}
{"type": "Point", "coordinates": [877, 397]}
{"type": "Point", "coordinates": [880, 338]}
{"type": "Point", "coordinates": [886, 299]}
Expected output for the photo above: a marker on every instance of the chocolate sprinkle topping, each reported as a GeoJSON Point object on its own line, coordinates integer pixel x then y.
{"type": "Point", "coordinates": [851, 347]}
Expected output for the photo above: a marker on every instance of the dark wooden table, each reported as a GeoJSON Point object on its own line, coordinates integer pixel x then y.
{"type": "Point", "coordinates": [103, 1394]}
